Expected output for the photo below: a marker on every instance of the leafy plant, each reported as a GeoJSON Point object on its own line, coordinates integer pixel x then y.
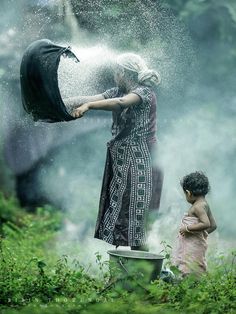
{"type": "Point", "coordinates": [34, 279]}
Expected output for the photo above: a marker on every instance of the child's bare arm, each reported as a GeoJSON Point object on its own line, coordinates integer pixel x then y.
{"type": "Point", "coordinates": [204, 222]}
{"type": "Point", "coordinates": [212, 221]}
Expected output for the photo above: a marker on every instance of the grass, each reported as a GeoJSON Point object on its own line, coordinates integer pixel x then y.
{"type": "Point", "coordinates": [34, 279]}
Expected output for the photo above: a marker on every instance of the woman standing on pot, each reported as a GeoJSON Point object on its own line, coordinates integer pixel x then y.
{"type": "Point", "coordinates": [132, 182]}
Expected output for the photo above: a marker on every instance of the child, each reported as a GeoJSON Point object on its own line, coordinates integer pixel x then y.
{"type": "Point", "coordinates": [189, 256]}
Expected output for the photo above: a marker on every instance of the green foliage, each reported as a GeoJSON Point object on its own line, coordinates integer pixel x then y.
{"type": "Point", "coordinates": [34, 279]}
{"type": "Point", "coordinates": [30, 274]}
{"type": "Point", "coordinates": [10, 211]}
{"type": "Point", "coordinates": [212, 293]}
{"type": "Point", "coordinates": [22, 251]}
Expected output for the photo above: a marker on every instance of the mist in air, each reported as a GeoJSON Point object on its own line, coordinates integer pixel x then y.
{"type": "Point", "coordinates": [196, 123]}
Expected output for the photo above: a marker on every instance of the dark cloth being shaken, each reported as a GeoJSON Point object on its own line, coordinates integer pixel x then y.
{"type": "Point", "coordinates": [39, 81]}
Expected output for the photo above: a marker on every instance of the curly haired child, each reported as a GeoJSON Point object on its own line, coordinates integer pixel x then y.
{"type": "Point", "coordinates": [196, 224]}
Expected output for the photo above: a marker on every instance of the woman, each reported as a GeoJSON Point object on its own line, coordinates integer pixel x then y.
{"type": "Point", "coordinates": [131, 183]}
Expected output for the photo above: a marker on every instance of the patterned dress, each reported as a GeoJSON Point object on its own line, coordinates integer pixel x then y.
{"type": "Point", "coordinates": [131, 183]}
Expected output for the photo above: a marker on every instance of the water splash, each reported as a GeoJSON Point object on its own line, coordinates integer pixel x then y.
{"type": "Point", "coordinates": [72, 175]}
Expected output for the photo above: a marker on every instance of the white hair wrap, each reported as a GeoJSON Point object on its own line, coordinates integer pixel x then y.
{"type": "Point", "coordinates": [149, 77]}
{"type": "Point", "coordinates": [135, 63]}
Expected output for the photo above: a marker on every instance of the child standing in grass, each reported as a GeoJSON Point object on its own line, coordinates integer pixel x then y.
{"type": "Point", "coordinates": [196, 224]}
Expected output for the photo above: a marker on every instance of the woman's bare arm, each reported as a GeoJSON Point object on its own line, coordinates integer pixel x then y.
{"type": "Point", "coordinates": [74, 102]}
{"type": "Point", "coordinates": [110, 104]}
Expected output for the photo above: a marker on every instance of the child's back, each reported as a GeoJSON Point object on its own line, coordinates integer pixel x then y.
{"type": "Point", "coordinates": [189, 255]}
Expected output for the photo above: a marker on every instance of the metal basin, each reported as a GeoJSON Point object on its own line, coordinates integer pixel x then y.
{"type": "Point", "coordinates": [134, 267]}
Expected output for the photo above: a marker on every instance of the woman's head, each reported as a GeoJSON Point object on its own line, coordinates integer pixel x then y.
{"type": "Point", "coordinates": [131, 68]}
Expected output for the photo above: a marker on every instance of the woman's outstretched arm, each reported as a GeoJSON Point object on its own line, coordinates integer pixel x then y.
{"type": "Point", "coordinates": [75, 102]}
{"type": "Point", "coordinates": [110, 104]}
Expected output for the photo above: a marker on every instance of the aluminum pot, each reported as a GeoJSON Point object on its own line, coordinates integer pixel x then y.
{"type": "Point", "coordinates": [136, 267]}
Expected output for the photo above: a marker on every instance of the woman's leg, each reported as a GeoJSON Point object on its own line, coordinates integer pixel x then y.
{"type": "Point", "coordinates": [140, 248]}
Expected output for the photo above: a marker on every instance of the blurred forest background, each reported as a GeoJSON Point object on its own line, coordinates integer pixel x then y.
{"type": "Point", "coordinates": [193, 45]}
